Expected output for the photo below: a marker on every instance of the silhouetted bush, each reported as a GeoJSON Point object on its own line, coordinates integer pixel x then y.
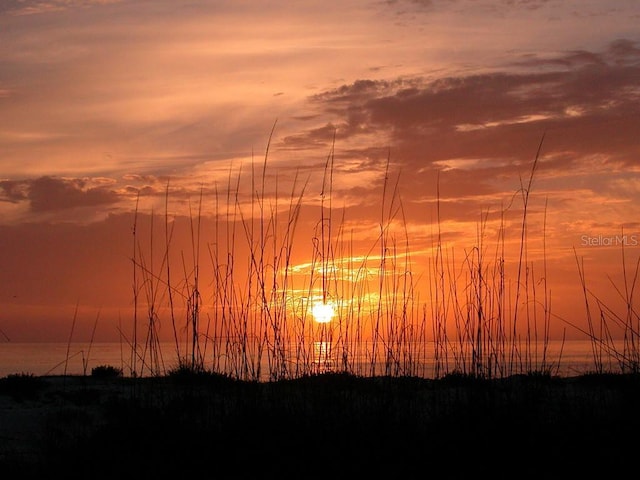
{"type": "Point", "coordinates": [106, 371]}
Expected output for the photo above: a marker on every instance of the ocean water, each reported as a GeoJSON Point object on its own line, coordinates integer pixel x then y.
{"type": "Point", "coordinates": [568, 358]}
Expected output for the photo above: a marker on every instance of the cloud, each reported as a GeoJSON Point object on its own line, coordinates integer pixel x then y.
{"type": "Point", "coordinates": [34, 7]}
{"type": "Point", "coordinates": [585, 99]}
{"type": "Point", "coordinates": [13, 191]}
{"type": "Point", "coordinates": [49, 194]}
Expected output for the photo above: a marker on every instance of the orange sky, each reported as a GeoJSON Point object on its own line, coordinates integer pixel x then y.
{"type": "Point", "coordinates": [105, 100]}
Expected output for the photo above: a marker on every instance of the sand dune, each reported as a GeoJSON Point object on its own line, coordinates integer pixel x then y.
{"type": "Point", "coordinates": [325, 426]}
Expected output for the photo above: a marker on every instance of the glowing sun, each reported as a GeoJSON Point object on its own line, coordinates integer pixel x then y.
{"type": "Point", "coordinates": [323, 312]}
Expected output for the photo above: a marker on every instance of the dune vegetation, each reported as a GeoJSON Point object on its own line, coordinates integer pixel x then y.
{"type": "Point", "coordinates": [485, 312]}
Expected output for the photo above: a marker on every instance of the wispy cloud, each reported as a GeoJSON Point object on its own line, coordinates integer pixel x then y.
{"type": "Point", "coordinates": [34, 7]}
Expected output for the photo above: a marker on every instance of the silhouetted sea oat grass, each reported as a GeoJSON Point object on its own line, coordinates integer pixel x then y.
{"type": "Point", "coordinates": [253, 320]}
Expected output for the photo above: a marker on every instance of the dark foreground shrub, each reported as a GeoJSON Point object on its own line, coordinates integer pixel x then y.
{"type": "Point", "coordinates": [21, 385]}
{"type": "Point", "coordinates": [106, 371]}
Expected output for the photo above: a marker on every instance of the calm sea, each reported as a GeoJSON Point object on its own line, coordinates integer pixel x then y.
{"type": "Point", "coordinates": [569, 358]}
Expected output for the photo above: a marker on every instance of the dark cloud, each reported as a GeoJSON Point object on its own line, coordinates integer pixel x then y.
{"type": "Point", "coordinates": [32, 7]}
{"type": "Point", "coordinates": [317, 137]}
{"type": "Point", "coordinates": [11, 6]}
{"type": "Point", "coordinates": [624, 50]}
{"type": "Point", "coordinates": [49, 194]}
{"type": "Point", "coordinates": [13, 191]}
{"type": "Point", "coordinates": [588, 101]}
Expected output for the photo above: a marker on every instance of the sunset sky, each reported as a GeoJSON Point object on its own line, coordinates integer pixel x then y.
{"type": "Point", "coordinates": [108, 106]}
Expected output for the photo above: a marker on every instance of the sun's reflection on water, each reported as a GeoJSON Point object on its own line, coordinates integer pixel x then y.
{"type": "Point", "coordinates": [322, 358]}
